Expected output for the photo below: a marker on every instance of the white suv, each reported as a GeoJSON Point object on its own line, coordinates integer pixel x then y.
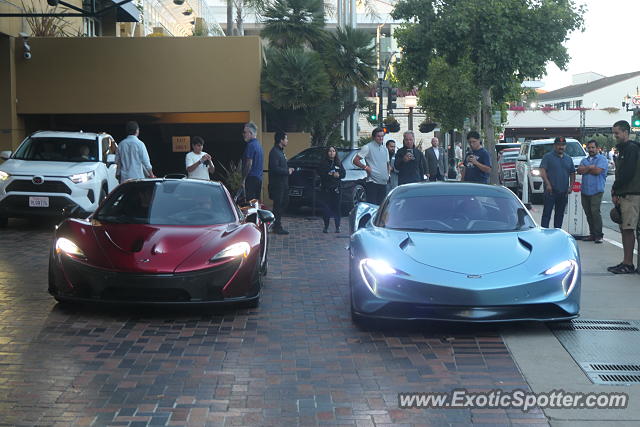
{"type": "Point", "coordinates": [531, 153]}
{"type": "Point", "coordinates": [52, 173]}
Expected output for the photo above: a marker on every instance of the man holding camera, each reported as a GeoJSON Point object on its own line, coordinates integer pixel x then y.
{"type": "Point", "coordinates": [410, 162]}
{"type": "Point", "coordinates": [199, 164]}
{"type": "Point", "coordinates": [477, 165]}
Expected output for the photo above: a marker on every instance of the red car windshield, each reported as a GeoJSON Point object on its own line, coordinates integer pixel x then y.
{"type": "Point", "coordinates": [173, 202]}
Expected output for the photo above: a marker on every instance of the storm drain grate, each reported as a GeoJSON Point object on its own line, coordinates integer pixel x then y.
{"type": "Point", "coordinates": [607, 351]}
{"type": "Point", "coordinates": [601, 322]}
{"type": "Point", "coordinates": [612, 367]}
{"type": "Point", "coordinates": [571, 327]}
{"type": "Point", "coordinates": [619, 379]}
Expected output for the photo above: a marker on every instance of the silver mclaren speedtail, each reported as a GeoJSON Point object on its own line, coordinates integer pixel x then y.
{"type": "Point", "coordinates": [459, 252]}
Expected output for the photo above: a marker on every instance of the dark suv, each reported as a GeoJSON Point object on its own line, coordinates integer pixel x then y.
{"type": "Point", "coordinates": [304, 182]}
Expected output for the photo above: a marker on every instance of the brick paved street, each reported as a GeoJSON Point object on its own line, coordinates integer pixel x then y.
{"type": "Point", "coordinates": [295, 360]}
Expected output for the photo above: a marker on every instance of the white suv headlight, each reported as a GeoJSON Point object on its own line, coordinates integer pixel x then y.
{"type": "Point", "coordinates": [4, 176]}
{"type": "Point", "coordinates": [79, 178]}
{"type": "Point", "coordinates": [535, 172]}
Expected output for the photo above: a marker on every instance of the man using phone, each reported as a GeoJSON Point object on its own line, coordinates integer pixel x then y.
{"type": "Point", "coordinates": [410, 162]}
{"type": "Point", "coordinates": [199, 164]}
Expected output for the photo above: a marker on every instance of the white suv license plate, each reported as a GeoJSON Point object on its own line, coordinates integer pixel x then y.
{"type": "Point", "coordinates": [38, 202]}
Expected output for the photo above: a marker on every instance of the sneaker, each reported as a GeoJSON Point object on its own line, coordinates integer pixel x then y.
{"type": "Point", "coordinates": [613, 267]}
{"type": "Point", "coordinates": [588, 239]}
{"type": "Point", "coordinates": [598, 240]}
{"type": "Point", "coordinates": [338, 230]}
{"type": "Point", "coordinates": [325, 230]}
{"type": "Point", "coordinates": [623, 269]}
{"type": "Point", "coordinates": [281, 231]}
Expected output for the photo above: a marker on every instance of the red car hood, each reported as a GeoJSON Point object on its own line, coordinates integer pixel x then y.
{"type": "Point", "coordinates": [150, 248]}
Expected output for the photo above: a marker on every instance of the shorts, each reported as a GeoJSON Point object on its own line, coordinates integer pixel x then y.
{"type": "Point", "coordinates": [630, 209]}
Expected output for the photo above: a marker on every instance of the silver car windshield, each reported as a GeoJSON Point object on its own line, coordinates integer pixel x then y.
{"type": "Point", "coordinates": [58, 150]}
{"type": "Point", "coordinates": [459, 213]}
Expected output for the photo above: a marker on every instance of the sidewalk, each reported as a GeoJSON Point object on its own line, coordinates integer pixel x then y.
{"type": "Point", "coordinates": [545, 363]}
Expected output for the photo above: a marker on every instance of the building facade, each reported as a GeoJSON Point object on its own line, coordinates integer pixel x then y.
{"type": "Point", "coordinates": [590, 105]}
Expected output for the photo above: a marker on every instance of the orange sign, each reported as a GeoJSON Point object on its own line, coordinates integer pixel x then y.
{"type": "Point", "coordinates": [181, 144]}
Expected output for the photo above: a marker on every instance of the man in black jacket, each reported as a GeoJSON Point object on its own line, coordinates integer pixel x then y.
{"type": "Point", "coordinates": [410, 161]}
{"type": "Point", "coordinates": [625, 192]}
{"type": "Point", "coordinates": [279, 180]}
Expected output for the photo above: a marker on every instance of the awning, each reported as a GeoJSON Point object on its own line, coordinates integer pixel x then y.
{"type": "Point", "coordinates": [127, 12]}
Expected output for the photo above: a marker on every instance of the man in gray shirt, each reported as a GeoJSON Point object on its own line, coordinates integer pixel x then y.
{"type": "Point", "coordinates": [377, 157]}
{"type": "Point", "coordinates": [132, 157]}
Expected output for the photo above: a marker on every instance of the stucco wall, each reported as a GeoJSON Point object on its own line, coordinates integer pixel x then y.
{"type": "Point", "coordinates": [140, 75]}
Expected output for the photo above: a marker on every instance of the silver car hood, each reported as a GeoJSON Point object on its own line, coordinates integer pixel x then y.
{"type": "Point", "coordinates": [467, 253]}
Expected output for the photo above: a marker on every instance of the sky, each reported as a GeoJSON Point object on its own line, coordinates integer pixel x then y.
{"type": "Point", "coordinates": [609, 29]}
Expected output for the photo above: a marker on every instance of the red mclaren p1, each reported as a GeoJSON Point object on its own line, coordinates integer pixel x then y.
{"type": "Point", "coordinates": [162, 241]}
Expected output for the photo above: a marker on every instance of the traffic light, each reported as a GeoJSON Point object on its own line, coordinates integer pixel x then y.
{"type": "Point", "coordinates": [391, 98]}
{"type": "Point", "coordinates": [635, 118]}
{"type": "Point", "coordinates": [373, 117]}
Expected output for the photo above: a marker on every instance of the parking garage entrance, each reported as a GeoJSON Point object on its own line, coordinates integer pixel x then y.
{"type": "Point", "coordinates": [222, 132]}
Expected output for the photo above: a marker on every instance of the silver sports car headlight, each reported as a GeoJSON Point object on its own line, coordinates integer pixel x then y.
{"type": "Point", "coordinates": [4, 176]}
{"type": "Point", "coordinates": [79, 178]}
{"type": "Point", "coordinates": [233, 251]}
{"type": "Point", "coordinates": [370, 268]}
{"type": "Point", "coordinates": [570, 269]}
{"type": "Point", "coordinates": [67, 247]}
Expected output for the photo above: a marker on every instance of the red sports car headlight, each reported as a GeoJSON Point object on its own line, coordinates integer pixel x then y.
{"type": "Point", "coordinates": [67, 247]}
{"type": "Point", "coordinates": [237, 249]}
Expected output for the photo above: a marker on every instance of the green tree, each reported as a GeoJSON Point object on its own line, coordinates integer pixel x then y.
{"type": "Point", "coordinates": [506, 41]}
{"type": "Point", "coordinates": [312, 72]}
{"type": "Point", "coordinates": [451, 95]}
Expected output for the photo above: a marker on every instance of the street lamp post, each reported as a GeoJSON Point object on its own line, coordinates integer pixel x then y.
{"type": "Point", "coordinates": [411, 102]}
{"type": "Point", "coordinates": [381, 73]}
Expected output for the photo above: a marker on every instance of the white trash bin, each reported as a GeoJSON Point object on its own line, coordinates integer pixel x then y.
{"type": "Point", "coordinates": [575, 221]}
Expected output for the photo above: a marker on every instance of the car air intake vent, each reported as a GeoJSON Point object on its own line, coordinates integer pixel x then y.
{"type": "Point", "coordinates": [137, 245]}
{"type": "Point", "coordinates": [525, 244]}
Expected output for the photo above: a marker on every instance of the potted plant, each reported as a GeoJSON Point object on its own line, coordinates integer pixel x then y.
{"type": "Point", "coordinates": [187, 12]}
{"type": "Point", "coordinates": [232, 177]}
{"type": "Point", "coordinates": [427, 126]}
{"type": "Point", "coordinates": [391, 124]}
{"type": "Point", "coordinates": [178, 2]}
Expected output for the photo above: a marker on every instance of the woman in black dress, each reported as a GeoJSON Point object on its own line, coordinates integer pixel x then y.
{"type": "Point", "coordinates": [331, 173]}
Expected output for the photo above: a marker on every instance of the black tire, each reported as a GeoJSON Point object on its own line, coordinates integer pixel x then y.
{"type": "Point", "coordinates": [4, 221]}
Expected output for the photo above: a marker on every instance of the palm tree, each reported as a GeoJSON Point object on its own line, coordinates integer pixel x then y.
{"type": "Point", "coordinates": [311, 71]}
{"type": "Point", "coordinates": [294, 23]}
{"type": "Point", "coordinates": [350, 58]}
{"type": "Point", "coordinates": [294, 79]}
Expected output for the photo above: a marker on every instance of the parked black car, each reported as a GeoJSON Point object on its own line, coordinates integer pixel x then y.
{"type": "Point", "coordinates": [304, 182]}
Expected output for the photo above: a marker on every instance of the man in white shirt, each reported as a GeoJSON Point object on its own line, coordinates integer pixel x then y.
{"type": "Point", "coordinates": [132, 157]}
{"type": "Point", "coordinates": [198, 163]}
{"type": "Point", "coordinates": [377, 157]}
